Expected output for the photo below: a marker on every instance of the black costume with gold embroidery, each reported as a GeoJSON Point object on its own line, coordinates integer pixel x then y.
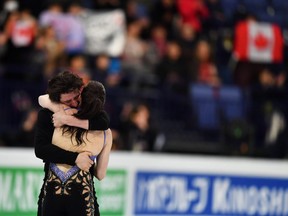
{"type": "Point", "coordinates": [70, 193]}
{"type": "Point", "coordinates": [58, 197]}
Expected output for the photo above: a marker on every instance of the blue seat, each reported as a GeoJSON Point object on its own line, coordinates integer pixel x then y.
{"type": "Point", "coordinates": [278, 19]}
{"type": "Point", "coordinates": [232, 103]}
{"type": "Point", "coordinates": [278, 4]}
{"type": "Point", "coordinates": [215, 106]}
{"type": "Point", "coordinates": [205, 106]}
{"type": "Point", "coordinates": [255, 5]}
{"type": "Point", "coordinates": [281, 8]}
{"type": "Point", "coordinates": [229, 7]}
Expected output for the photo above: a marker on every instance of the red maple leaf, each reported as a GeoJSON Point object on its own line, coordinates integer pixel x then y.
{"type": "Point", "coordinates": [261, 41]}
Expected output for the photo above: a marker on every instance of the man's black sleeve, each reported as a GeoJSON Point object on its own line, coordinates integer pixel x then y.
{"type": "Point", "coordinates": [44, 149]}
{"type": "Point", "coordinates": [99, 122]}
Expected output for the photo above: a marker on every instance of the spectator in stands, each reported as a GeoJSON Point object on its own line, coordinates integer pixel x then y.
{"type": "Point", "coordinates": [156, 46]}
{"type": "Point", "coordinates": [164, 12]}
{"type": "Point", "coordinates": [187, 39]}
{"type": "Point", "coordinates": [268, 113]}
{"type": "Point", "coordinates": [204, 69]}
{"type": "Point", "coordinates": [107, 71]}
{"type": "Point", "coordinates": [134, 69]}
{"type": "Point", "coordinates": [215, 22]}
{"type": "Point", "coordinates": [122, 123]}
{"type": "Point", "coordinates": [141, 133]}
{"type": "Point", "coordinates": [3, 47]}
{"type": "Point", "coordinates": [21, 29]}
{"type": "Point", "coordinates": [51, 50]}
{"type": "Point", "coordinates": [78, 65]}
{"type": "Point", "coordinates": [8, 7]}
{"type": "Point", "coordinates": [135, 10]}
{"type": "Point", "coordinates": [172, 71]}
{"type": "Point", "coordinates": [246, 72]}
{"type": "Point", "coordinates": [54, 16]}
{"type": "Point", "coordinates": [75, 41]}
{"type": "Point", "coordinates": [193, 13]}
{"type": "Point", "coordinates": [25, 135]}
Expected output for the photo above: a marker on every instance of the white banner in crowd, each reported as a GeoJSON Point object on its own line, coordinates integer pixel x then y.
{"type": "Point", "coordinates": [105, 32]}
{"type": "Point", "coordinates": [142, 184]}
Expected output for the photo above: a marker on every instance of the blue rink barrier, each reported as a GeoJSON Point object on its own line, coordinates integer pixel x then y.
{"type": "Point", "coordinates": [167, 193]}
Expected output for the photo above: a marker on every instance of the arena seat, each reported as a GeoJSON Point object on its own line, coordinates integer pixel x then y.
{"type": "Point", "coordinates": [231, 102]}
{"type": "Point", "coordinates": [205, 106]}
{"type": "Point", "coordinates": [229, 7]}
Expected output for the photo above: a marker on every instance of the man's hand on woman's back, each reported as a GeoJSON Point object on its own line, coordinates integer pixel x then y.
{"type": "Point", "coordinates": [83, 161]}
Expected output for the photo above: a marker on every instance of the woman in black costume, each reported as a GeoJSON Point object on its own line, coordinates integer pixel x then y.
{"type": "Point", "coordinates": [68, 190]}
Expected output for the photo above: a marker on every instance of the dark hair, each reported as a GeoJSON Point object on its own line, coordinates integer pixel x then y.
{"type": "Point", "coordinates": [62, 83]}
{"type": "Point", "coordinates": [93, 100]}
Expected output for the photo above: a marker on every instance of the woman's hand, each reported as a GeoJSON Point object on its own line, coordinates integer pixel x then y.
{"type": "Point", "coordinates": [62, 117]}
{"type": "Point", "coordinates": [69, 110]}
{"type": "Point", "coordinates": [58, 118]}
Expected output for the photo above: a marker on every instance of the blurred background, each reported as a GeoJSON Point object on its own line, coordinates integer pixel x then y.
{"type": "Point", "coordinates": [182, 76]}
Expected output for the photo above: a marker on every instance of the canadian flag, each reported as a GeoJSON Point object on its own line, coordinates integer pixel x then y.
{"type": "Point", "coordinates": [258, 42]}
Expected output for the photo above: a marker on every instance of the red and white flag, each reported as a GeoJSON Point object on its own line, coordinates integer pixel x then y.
{"type": "Point", "coordinates": [258, 42]}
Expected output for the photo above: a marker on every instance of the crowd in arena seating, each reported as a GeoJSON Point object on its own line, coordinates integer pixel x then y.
{"type": "Point", "coordinates": [189, 76]}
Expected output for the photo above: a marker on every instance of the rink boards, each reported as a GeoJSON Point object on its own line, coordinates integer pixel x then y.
{"type": "Point", "coordinates": [142, 184]}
